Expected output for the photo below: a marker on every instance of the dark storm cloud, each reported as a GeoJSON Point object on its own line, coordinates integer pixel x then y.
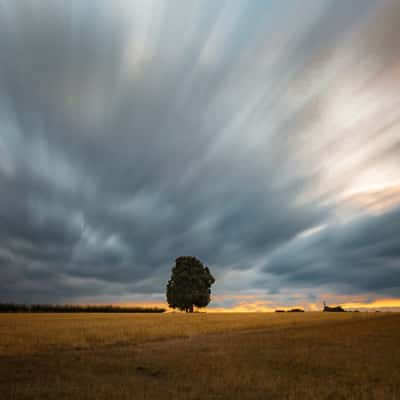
{"type": "Point", "coordinates": [133, 133]}
{"type": "Point", "coordinates": [362, 254]}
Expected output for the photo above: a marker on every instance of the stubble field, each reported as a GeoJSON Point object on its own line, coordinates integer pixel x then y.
{"type": "Point", "coordinates": [200, 356]}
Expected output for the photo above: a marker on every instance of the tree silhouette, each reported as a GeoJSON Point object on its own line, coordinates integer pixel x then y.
{"type": "Point", "coordinates": [190, 284]}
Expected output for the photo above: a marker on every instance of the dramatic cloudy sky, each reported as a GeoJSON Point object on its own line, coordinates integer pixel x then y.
{"type": "Point", "coordinates": [261, 136]}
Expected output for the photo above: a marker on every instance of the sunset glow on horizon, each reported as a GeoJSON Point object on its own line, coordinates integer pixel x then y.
{"type": "Point", "coordinates": [247, 305]}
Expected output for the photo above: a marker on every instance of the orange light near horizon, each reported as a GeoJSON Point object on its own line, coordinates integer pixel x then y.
{"type": "Point", "coordinates": [247, 307]}
{"type": "Point", "coordinates": [259, 306]}
{"type": "Point", "coordinates": [379, 303]}
{"type": "Point", "coordinates": [264, 306]}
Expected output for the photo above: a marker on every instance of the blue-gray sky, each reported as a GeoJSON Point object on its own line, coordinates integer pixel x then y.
{"type": "Point", "coordinates": [260, 136]}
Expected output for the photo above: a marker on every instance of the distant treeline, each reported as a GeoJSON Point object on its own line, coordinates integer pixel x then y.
{"type": "Point", "coordinates": [71, 308]}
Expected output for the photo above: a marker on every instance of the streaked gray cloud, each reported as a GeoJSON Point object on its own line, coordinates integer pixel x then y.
{"type": "Point", "coordinates": [361, 254]}
{"type": "Point", "coordinates": [132, 132]}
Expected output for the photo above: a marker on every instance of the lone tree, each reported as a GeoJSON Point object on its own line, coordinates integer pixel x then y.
{"type": "Point", "coordinates": [190, 284]}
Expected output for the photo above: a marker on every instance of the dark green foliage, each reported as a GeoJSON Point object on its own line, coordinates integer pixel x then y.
{"type": "Point", "coordinates": [74, 308]}
{"type": "Point", "coordinates": [333, 309]}
{"type": "Point", "coordinates": [190, 284]}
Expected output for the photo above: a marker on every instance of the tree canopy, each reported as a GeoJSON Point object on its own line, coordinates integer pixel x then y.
{"type": "Point", "coordinates": [190, 284]}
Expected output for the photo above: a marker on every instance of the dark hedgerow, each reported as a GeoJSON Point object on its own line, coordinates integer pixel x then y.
{"type": "Point", "coordinates": [72, 308]}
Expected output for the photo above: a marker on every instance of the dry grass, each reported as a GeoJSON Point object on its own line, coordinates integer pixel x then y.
{"type": "Point", "coordinates": [201, 356]}
{"type": "Point", "coordinates": [35, 333]}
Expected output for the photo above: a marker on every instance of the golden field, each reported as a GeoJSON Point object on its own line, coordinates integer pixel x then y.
{"type": "Point", "coordinates": [200, 356]}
